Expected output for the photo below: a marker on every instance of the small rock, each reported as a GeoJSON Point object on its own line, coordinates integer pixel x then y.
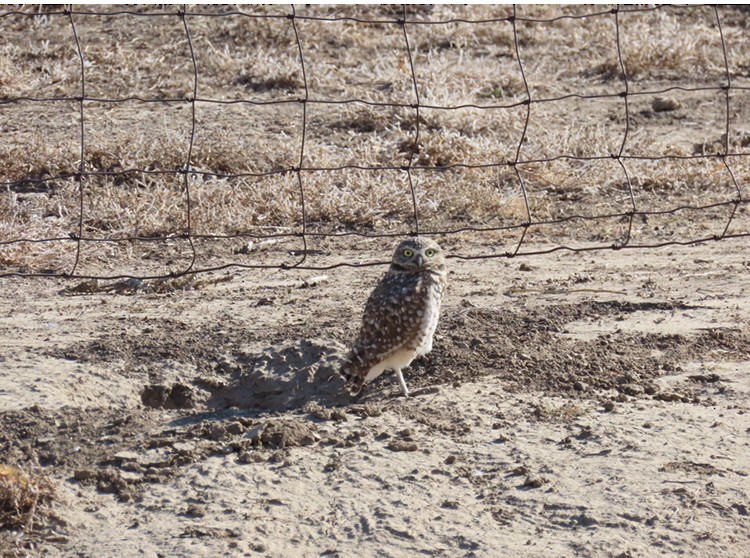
{"type": "Point", "coordinates": [194, 510]}
{"type": "Point", "coordinates": [402, 445]}
{"type": "Point", "coordinates": [254, 433]}
{"type": "Point", "coordinates": [535, 482]}
{"type": "Point", "coordinates": [251, 457]}
{"type": "Point", "coordinates": [84, 474]}
{"type": "Point", "coordinates": [632, 389]}
{"type": "Point", "coordinates": [666, 396]}
{"type": "Point", "coordinates": [586, 520]}
{"type": "Point", "coordinates": [609, 406]}
{"type": "Point", "coordinates": [651, 389]}
{"type": "Point", "coordinates": [520, 470]}
{"type": "Point", "coordinates": [217, 432]}
{"type": "Point", "coordinates": [127, 456]}
{"type": "Point", "coordinates": [235, 428]}
{"type": "Point", "coordinates": [664, 104]}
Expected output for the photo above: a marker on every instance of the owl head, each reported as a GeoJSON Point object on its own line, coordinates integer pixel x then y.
{"type": "Point", "coordinates": [418, 254]}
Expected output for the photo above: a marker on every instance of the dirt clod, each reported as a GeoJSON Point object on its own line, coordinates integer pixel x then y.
{"type": "Point", "coordinates": [287, 434]}
{"type": "Point", "coordinates": [535, 481]}
{"type": "Point", "coordinates": [178, 396]}
{"type": "Point", "coordinates": [402, 445]}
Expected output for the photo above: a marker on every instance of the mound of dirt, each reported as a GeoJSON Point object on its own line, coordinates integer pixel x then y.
{"type": "Point", "coordinates": [279, 378]}
{"type": "Point", "coordinates": [531, 349]}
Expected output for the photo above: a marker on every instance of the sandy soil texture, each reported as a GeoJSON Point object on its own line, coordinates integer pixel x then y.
{"type": "Point", "coordinates": [576, 405]}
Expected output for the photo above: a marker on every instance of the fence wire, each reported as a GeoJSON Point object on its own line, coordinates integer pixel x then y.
{"type": "Point", "coordinates": [71, 17]}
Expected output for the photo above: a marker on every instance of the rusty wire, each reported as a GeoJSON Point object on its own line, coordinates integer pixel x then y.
{"type": "Point", "coordinates": [299, 170]}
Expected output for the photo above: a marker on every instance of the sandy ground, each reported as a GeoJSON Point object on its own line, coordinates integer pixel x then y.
{"type": "Point", "coordinates": [574, 405]}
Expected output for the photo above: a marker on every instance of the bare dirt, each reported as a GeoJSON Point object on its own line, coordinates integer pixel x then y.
{"type": "Point", "coordinates": [573, 405]}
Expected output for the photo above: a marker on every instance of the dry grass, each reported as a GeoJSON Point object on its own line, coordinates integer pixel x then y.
{"type": "Point", "coordinates": [21, 495]}
{"type": "Point", "coordinates": [25, 496]}
{"type": "Point", "coordinates": [456, 64]}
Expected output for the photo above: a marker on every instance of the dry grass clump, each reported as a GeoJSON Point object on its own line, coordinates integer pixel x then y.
{"type": "Point", "coordinates": [675, 44]}
{"type": "Point", "coordinates": [40, 141]}
{"type": "Point", "coordinates": [36, 59]}
{"type": "Point", "coordinates": [232, 206]}
{"type": "Point", "coordinates": [37, 160]}
{"type": "Point", "coordinates": [22, 493]}
{"type": "Point", "coordinates": [25, 515]}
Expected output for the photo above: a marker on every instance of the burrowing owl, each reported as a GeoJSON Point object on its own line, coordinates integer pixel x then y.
{"type": "Point", "coordinates": [400, 316]}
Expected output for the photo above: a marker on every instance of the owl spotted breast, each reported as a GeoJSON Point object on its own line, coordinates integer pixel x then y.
{"type": "Point", "coordinates": [400, 316]}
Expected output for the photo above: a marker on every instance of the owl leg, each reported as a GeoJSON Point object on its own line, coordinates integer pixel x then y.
{"type": "Point", "coordinates": [401, 381]}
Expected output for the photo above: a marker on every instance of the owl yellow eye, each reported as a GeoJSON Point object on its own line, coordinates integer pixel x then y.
{"type": "Point", "coordinates": [429, 252]}
{"type": "Point", "coordinates": [408, 253]}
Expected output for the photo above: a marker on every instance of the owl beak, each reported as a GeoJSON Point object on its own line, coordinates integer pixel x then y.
{"type": "Point", "coordinates": [420, 260]}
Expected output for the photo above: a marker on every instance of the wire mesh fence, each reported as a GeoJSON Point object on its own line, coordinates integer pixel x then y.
{"type": "Point", "coordinates": [148, 134]}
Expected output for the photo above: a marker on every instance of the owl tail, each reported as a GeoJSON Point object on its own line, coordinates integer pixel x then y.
{"type": "Point", "coordinates": [351, 370]}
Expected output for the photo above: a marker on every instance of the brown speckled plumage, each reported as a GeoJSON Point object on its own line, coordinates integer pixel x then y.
{"type": "Point", "coordinates": [400, 316]}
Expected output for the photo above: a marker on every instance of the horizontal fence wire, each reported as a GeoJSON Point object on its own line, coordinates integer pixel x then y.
{"type": "Point", "coordinates": [408, 165]}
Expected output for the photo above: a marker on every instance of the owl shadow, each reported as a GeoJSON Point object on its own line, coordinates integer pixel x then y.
{"type": "Point", "coordinates": [281, 378]}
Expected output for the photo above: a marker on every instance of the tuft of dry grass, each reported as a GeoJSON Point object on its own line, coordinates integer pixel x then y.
{"type": "Point", "coordinates": [22, 494]}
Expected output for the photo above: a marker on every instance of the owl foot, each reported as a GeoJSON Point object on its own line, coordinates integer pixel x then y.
{"type": "Point", "coordinates": [355, 389]}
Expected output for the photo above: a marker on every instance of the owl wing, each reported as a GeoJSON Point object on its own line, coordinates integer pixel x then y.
{"type": "Point", "coordinates": [389, 323]}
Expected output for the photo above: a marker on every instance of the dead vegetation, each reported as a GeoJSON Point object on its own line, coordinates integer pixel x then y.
{"type": "Point", "coordinates": [25, 496]}
{"type": "Point", "coordinates": [21, 494]}
{"type": "Point", "coordinates": [244, 153]}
